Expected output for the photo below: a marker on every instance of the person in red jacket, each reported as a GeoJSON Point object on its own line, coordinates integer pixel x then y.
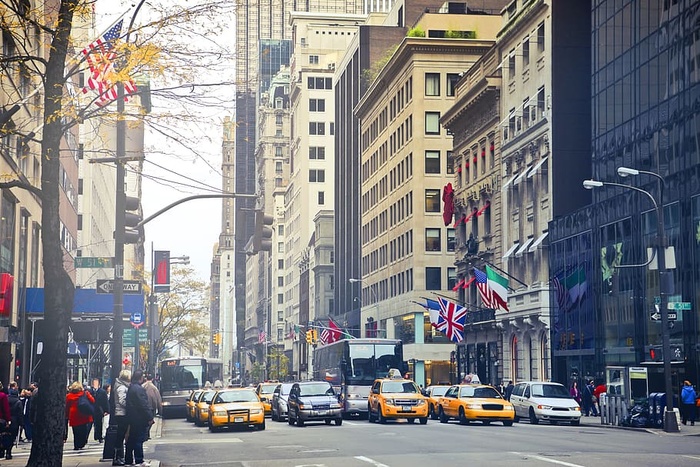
{"type": "Point", "coordinates": [80, 421]}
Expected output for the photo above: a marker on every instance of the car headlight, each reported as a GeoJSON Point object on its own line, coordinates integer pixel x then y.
{"type": "Point", "coordinates": [255, 411]}
{"type": "Point", "coordinates": [218, 412]}
{"type": "Point", "coordinates": [577, 409]}
{"type": "Point", "coordinates": [544, 407]}
{"type": "Point", "coordinates": [420, 402]}
{"type": "Point", "coordinates": [205, 410]}
{"type": "Point", "coordinates": [389, 401]}
{"type": "Point", "coordinates": [474, 406]}
{"type": "Point", "coordinates": [507, 407]}
{"type": "Point", "coordinates": [301, 406]}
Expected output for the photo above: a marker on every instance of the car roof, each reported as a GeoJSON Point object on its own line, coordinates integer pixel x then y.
{"type": "Point", "coordinates": [304, 383]}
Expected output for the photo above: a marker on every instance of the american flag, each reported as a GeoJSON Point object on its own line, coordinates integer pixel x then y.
{"type": "Point", "coordinates": [100, 58]}
{"type": "Point", "coordinates": [262, 336]}
{"type": "Point", "coordinates": [453, 324]}
{"type": "Point", "coordinates": [331, 333]}
{"type": "Point", "coordinates": [483, 287]}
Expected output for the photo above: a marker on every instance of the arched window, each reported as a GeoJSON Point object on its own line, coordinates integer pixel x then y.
{"type": "Point", "coordinates": [544, 356]}
{"type": "Point", "coordinates": [514, 358]}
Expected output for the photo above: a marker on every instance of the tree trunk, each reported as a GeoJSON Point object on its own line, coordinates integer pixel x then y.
{"type": "Point", "coordinates": [47, 446]}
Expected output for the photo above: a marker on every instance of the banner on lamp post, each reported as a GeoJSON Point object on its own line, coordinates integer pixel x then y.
{"type": "Point", "coordinates": [161, 271]}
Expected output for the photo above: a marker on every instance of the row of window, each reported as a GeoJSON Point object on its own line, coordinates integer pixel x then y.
{"type": "Point", "coordinates": [520, 119]}
{"type": "Point", "coordinates": [397, 176]}
{"type": "Point", "coordinates": [399, 247]}
{"type": "Point", "coordinates": [432, 84]}
{"type": "Point", "coordinates": [401, 209]}
{"type": "Point", "coordinates": [314, 82]}
{"type": "Point", "coordinates": [433, 239]}
{"type": "Point", "coordinates": [319, 128]}
{"type": "Point", "coordinates": [433, 162]}
{"type": "Point", "coordinates": [525, 51]}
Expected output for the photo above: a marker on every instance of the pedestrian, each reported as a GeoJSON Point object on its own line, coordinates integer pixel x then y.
{"type": "Point", "coordinates": [688, 397]}
{"type": "Point", "coordinates": [118, 414]}
{"type": "Point", "coordinates": [5, 418]}
{"type": "Point", "coordinates": [24, 427]}
{"type": "Point", "coordinates": [501, 388]}
{"type": "Point", "coordinates": [78, 418]}
{"type": "Point", "coordinates": [509, 390]}
{"type": "Point", "coordinates": [153, 398]}
{"type": "Point", "coordinates": [575, 393]}
{"type": "Point", "coordinates": [140, 416]}
{"type": "Point", "coordinates": [101, 408]}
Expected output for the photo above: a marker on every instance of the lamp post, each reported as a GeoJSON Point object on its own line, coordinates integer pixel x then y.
{"type": "Point", "coordinates": [665, 279]}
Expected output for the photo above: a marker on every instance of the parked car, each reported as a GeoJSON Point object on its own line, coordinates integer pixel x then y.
{"type": "Point", "coordinates": [201, 408]}
{"type": "Point", "coordinates": [236, 407]}
{"type": "Point", "coordinates": [475, 402]}
{"type": "Point", "coordinates": [433, 393]}
{"type": "Point", "coordinates": [539, 400]}
{"type": "Point", "coordinates": [313, 401]}
{"type": "Point", "coordinates": [394, 398]}
{"type": "Point", "coordinates": [279, 405]}
{"type": "Point", "coordinates": [191, 402]}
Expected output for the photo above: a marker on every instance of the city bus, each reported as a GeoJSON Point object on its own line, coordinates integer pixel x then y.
{"type": "Point", "coordinates": [352, 365]}
{"type": "Point", "coordinates": [179, 376]}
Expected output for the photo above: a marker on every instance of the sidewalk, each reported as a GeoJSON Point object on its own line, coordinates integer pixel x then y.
{"type": "Point", "coordinates": [685, 430]}
{"type": "Point", "coordinates": [91, 456]}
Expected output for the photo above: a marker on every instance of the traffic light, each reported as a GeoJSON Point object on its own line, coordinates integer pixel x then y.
{"type": "Point", "coordinates": [655, 353]}
{"type": "Point", "coordinates": [262, 237]}
{"type": "Point", "coordinates": [310, 336]}
{"type": "Point", "coordinates": [18, 369]}
{"type": "Point", "coordinates": [216, 338]}
{"type": "Point", "coordinates": [314, 336]}
{"type": "Point", "coordinates": [132, 216]}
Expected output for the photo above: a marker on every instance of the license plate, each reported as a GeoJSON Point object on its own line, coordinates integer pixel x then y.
{"type": "Point", "coordinates": [406, 408]}
{"type": "Point", "coordinates": [321, 413]}
{"type": "Point", "coordinates": [238, 420]}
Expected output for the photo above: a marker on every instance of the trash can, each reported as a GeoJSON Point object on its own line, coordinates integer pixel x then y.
{"type": "Point", "coordinates": [660, 409]}
{"type": "Point", "coordinates": [652, 409]}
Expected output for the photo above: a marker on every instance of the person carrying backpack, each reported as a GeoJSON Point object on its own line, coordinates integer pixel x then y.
{"type": "Point", "coordinates": [79, 414]}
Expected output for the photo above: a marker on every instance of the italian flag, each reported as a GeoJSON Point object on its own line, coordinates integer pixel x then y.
{"type": "Point", "coordinates": [499, 287]}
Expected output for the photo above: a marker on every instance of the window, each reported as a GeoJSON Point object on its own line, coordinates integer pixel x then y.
{"type": "Point", "coordinates": [511, 121]}
{"type": "Point", "coordinates": [526, 52]}
{"type": "Point", "coordinates": [280, 298]}
{"type": "Point", "coordinates": [317, 105]}
{"type": "Point", "coordinates": [432, 200]}
{"type": "Point", "coordinates": [526, 113]}
{"type": "Point", "coordinates": [450, 169]}
{"type": "Point", "coordinates": [278, 167]}
{"type": "Point", "coordinates": [280, 281]}
{"type": "Point", "coordinates": [280, 264]}
{"type": "Point", "coordinates": [450, 239]}
{"type": "Point", "coordinates": [432, 123]}
{"type": "Point", "coordinates": [278, 151]}
{"type": "Point", "coordinates": [317, 152]}
{"type": "Point", "coordinates": [319, 83]}
{"type": "Point", "coordinates": [313, 59]}
{"type": "Point", "coordinates": [278, 119]}
{"type": "Point", "coordinates": [432, 162]}
{"type": "Point", "coordinates": [432, 240]}
{"type": "Point", "coordinates": [540, 102]}
{"type": "Point", "coordinates": [452, 80]}
{"type": "Point", "coordinates": [280, 230]}
{"type": "Point", "coordinates": [432, 84]}
{"type": "Point", "coordinates": [540, 37]}
{"type": "Point", "coordinates": [317, 128]}
{"type": "Point", "coordinates": [511, 64]}
{"type": "Point", "coordinates": [321, 198]}
{"type": "Point", "coordinates": [317, 175]}
{"type": "Point", "coordinates": [433, 279]}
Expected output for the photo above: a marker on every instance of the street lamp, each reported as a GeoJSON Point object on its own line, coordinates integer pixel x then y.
{"type": "Point", "coordinates": [665, 279]}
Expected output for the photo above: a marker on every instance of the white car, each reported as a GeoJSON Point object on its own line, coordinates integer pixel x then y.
{"type": "Point", "coordinates": [540, 400]}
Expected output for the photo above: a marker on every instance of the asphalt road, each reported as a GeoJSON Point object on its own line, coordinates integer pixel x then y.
{"type": "Point", "coordinates": [359, 443]}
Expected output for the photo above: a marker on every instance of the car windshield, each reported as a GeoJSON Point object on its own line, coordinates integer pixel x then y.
{"type": "Point", "coordinates": [399, 386]}
{"type": "Point", "coordinates": [196, 395]}
{"type": "Point", "coordinates": [320, 389]}
{"type": "Point", "coordinates": [236, 396]}
{"type": "Point", "coordinates": [267, 388]}
{"type": "Point", "coordinates": [439, 391]}
{"type": "Point", "coordinates": [550, 390]}
{"type": "Point", "coordinates": [479, 393]}
{"type": "Point", "coordinates": [207, 397]}
{"type": "Point", "coordinates": [284, 390]}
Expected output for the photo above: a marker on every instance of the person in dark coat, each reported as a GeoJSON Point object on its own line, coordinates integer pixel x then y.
{"type": "Point", "coordinates": [101, 408]}
{"type": "Point", "coordinates": [117, 401]}
{"type": "Point", "coordinates": [139, 415]}
{"type": "Point", "coordinates": [16, 418]}
{"type": "Point", "coordinates": [5, 419]}
{"type": "Point", "coordinates": [509, 390]}
{"type": "Point", "coordinates": [80, 421]}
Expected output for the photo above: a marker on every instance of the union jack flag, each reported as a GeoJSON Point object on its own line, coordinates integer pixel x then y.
{"type": "Point", "coordinates": [561, 292]}
{"type": "Point", "coordinates": [483, 287]}
{"type": "Point", "coordinates": [453, 320]}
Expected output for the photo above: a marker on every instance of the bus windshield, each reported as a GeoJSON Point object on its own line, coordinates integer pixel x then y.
{"type": "Point", "coordinates": [368, 362]}
{"type": "Point", "coordinates": [181, 375]}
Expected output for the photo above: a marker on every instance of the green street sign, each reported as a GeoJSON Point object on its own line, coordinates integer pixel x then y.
{"type": "Point", "coordinates": [129, 338]}
{"type": "Point", "coordinates": [679, 306]}
{"type": "Point", "coordinates": [93, 262]}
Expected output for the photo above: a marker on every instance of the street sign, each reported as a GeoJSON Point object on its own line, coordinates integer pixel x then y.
{"type": "Point", "coordinates": [93, 262]}
{"type": "Point", "coordinates": [678, 306]}
{"type": "Point", "coordinates": [136, 319]}
{"type": "Point", "coordinates": [129, 337]}
{"type": "Point", "coordinates": [656, 316]}
{"type": "Point", "coordinates": [107, 286]}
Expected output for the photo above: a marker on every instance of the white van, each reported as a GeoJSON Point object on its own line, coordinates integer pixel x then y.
{"type": "Point", "coordinates": [540, 400]}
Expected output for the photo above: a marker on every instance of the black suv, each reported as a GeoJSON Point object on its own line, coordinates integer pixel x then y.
{"type": "Point", "coordinates": [313, 401]}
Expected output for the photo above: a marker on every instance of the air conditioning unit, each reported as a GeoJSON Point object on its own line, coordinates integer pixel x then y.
{"type": "Point", "coordinates": [331, 66]}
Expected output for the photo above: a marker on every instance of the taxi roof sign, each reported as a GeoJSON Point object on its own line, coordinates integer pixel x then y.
{"type": "Point", "coordinates": [394, 373]}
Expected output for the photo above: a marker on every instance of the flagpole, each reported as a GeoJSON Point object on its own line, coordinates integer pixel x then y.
{"type": "Point", "coordinates": [461, 302]}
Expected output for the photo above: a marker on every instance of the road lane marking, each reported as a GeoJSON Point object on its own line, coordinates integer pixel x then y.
{"type": "Point", "coordinates": [546, 459]}
{"type": "Point", "coordinates": [317, 450]}
{"type": "Point", "coordinates": [370, 461]}
{"type": "Point", "coordinates": [692, 457]}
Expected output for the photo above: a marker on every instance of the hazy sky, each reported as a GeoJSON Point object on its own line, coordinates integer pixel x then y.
{"type": "Point", "coordinates": [192, 228]}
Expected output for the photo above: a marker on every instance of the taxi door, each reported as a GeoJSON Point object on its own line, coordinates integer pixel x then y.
{"type": "Point", "coordinates": [373, 398]}
{"type": "Point", "coordinates": [450, 402]}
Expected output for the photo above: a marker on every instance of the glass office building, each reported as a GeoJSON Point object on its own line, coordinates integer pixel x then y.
{"type": "Point", "coordinates": [645, 115]}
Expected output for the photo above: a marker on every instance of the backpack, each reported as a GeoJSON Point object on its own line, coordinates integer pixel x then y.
{"type": "Point", "coordinates": [85, 406]}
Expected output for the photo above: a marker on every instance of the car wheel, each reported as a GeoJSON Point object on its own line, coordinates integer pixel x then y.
{"type": "Point", "coordinates": [575, 422]}
{"type": "Point", "coordinates": [261, 427]}
{"type": "Point", "coordinates": [380, 416]}
{"type": "Point", "coordinates": [486, 422]}
{"type": "Point", "coordinates": [290, 421]}
{"type": "Point", "coordinates": [533, 417]}
{"type": "Point", "coordinates": [300, 422]}
{"type": "Point", "coordinates": [370, 415]}
{"type": "Point", "coordinates": [338, 421]}
{"type": "Point", "coordinates": [443, 418]}
{"type": "Point", "coordinates": [411, 420]}
{"type": "Point", "coordinates": [423, 420]}
{"type": "Point", "coordinates": [274, 416]}
{"type": "Point", "coordinates": [508, 423]}
{"type": "Point", "coordinates": [462, 417]}
{"type": "Point", "coordinates": [432, 412]}
{"type": "Point", "coordinates": [328, 421]}
{"type": "Point", "coordinates": [516, 419]}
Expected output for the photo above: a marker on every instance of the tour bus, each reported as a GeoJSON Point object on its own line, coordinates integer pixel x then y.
{"type": "Point", "coordinates": [180, 376]}
{"type": "Point", "coordinates": [352, 365]}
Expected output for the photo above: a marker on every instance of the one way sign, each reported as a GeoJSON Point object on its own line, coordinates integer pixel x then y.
{"type": "Point", "coordinates": [105, 286]}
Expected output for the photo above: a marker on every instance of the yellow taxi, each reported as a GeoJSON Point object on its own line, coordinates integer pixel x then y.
{"type": "Point", "coordinates": [475, 402]}
{"type": "Point", "coordinates": [396, 397]}
{"type": "Point", "coordinates": [201, 408]}
{"type": "Point", "coordinates": [236, 407]}
{"type": "Point", "coordinates": [264, 392]}
{"type": "Point", "coordinates": [189, 405]}
{"type": "Point", "coordinates": [433, 393]}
